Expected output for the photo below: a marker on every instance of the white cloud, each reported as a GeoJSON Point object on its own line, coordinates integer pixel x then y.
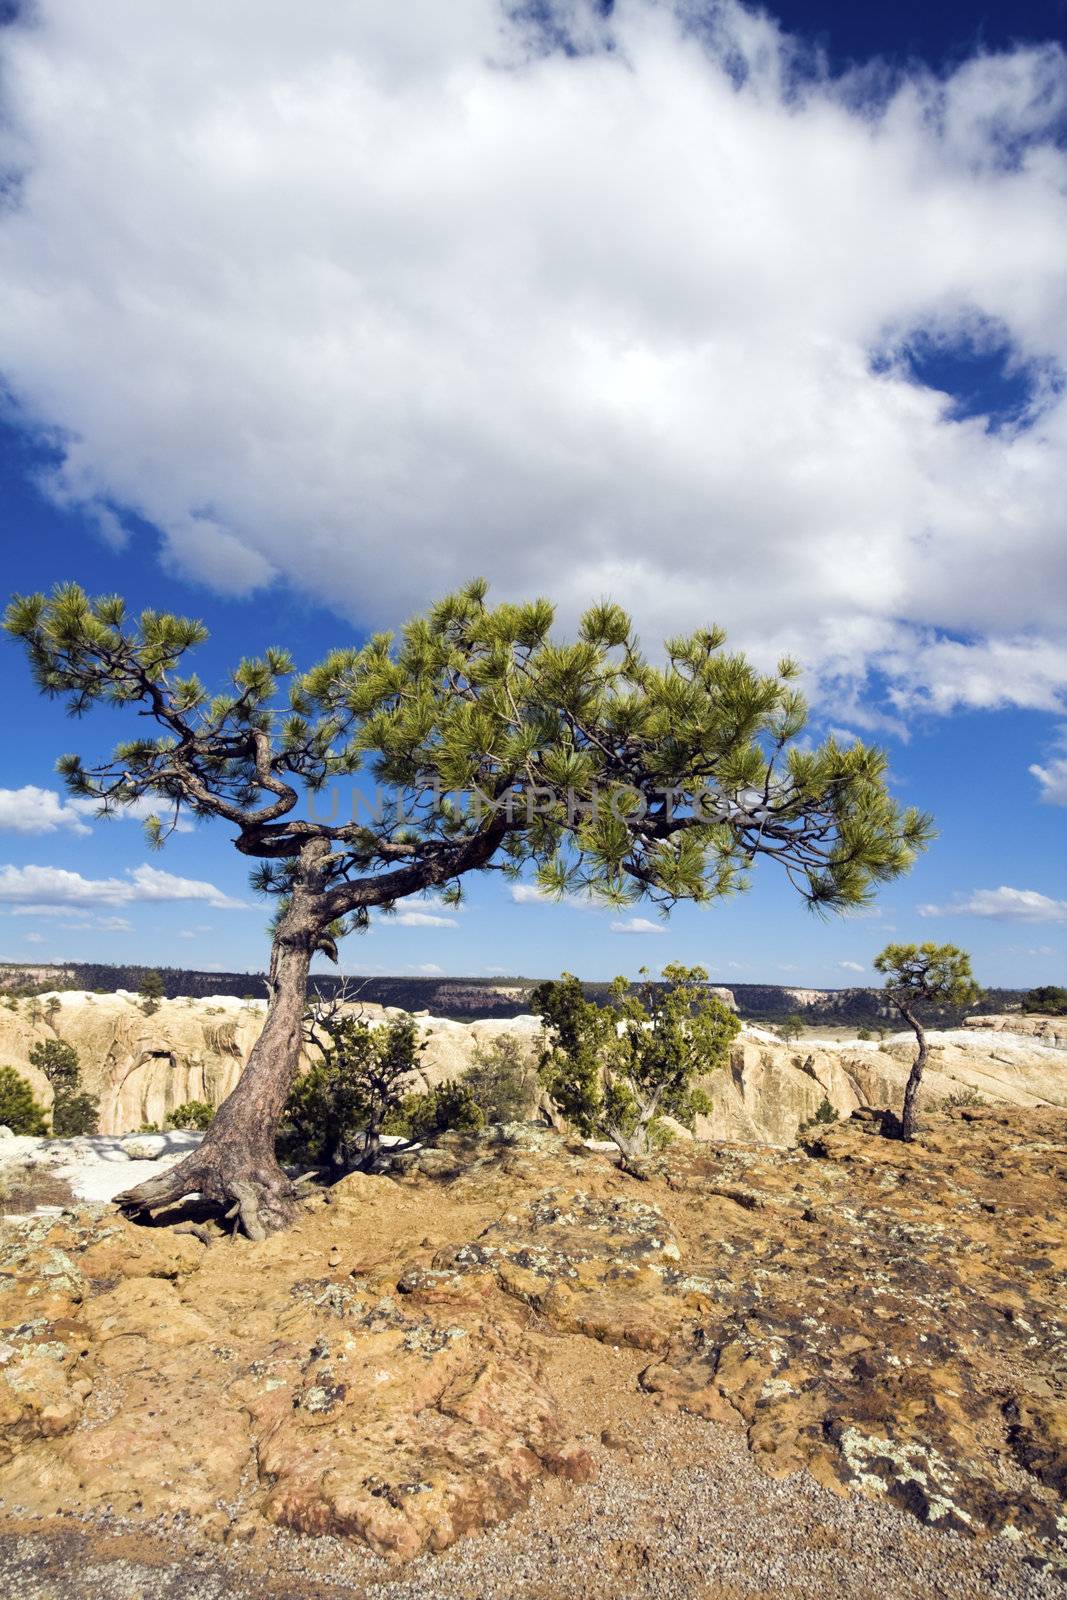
{"type": "Point", "coordinates": [529, 894]}
{"type": "Point", "coordinates": [1010, 905]}
{"type": "Point", "coordinates": [1052, 776]}
{"type": "Point", "coordinates": [33, 810]}
{"type": "Point", "coordinates": [41, 888]}
{"type": "Point", "coordinates": [430, 969]}
{"type": "Point", "coordinates": [591, 323]}
{"type": "Point", "coordinates": [35, 938]}
{"type": "Point", "coordinates": [637, 925]}
{"type": "Point", "coordinates": [852, 966]}
{"type": "Point", "coordinates": [422, 919]}
{"type": "Point", "coordinates": [1053, 781]}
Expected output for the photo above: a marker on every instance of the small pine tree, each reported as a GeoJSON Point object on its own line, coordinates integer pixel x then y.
{"type": "Point", "coordinates": [74, 1112]}
{"type": "Point", "coordinates": [917, 976]}
{"type": "Point", "coordinates": [19, 1111]}
{"type": "Point", "coordinates": [791, 1028]}
{"type": "Point", "coordinates": [824, 1116]}
{"type": "Point", "coordinates": [151, 991]}
{"type": "Point", "coordinates": [58, 1060]}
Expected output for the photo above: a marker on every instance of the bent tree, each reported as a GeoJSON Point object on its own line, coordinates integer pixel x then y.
{"type": "Point", "coordinates": [919, 975]}
{"type": "Point", "coordinates": [581, 762]}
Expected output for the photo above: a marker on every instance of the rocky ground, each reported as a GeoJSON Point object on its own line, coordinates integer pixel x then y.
{"type": "Point", "coordinates": [832, 1370]}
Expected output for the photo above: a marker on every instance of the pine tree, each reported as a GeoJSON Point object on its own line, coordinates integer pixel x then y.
{"type": "Point", "coordinates": [917, 976]}
{"type": "Point", "coordinates": [583, 763]}
{"type": "Point", "coordinates": [151, 990]}
{"type": "Point", "coordinates": [19, 1111]}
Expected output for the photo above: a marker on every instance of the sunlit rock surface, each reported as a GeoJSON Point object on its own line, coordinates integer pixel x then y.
{"type": "Point", "coordinates": [889, 1318]}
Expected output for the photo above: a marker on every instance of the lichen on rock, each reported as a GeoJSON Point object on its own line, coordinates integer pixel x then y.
{"type": "Point", "coordinates": [887, 1317]}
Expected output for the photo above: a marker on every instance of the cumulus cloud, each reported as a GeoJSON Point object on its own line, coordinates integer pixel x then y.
{"type": "Point", "coordinates": [348, 293]}
{"type": "Point", "coordinates": [1007, 904]}
{"type": "Point", "coordinates": [639, 925]}
{"type": "Point", "coordinates": [1052, 774]}
{"type": "Point", "coordinates": [422, 919]}
{"type": "Point", "coordinates": [36, 890]}
{"type": "Point", "coordinates": [33, 810]}
{"type": "Point", "coordinates": [852, 966]}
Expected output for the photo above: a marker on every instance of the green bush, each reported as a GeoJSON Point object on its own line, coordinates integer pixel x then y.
{"type": "Point", "coordinates": [361, 1089]}
{"type": "Point", "coordinates": [195, 1114]}
{"type": "Point", "coordinates": [824, 1116]}
{"type": "Point", "coordinates": [74, 1114]}
{"type": "Point", "coordinates": [1049, 998]}
{"type": "Point", "coordinates": [864, 1033]}
{"type": "Point", "coordinates": [502, 1079]}
{"type": "Point", "coordinates": [19, 1111]}
{"type": "Point", "coordinates": [615, 1071]}
{"type": "Point", "coordinates": [449, 1107]}
{"type": "Point", "coordinates": [959, 1099]}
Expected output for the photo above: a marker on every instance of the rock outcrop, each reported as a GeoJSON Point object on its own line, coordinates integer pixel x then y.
{"type": "Point", "coordinates": [1025, 1025]}
{"type": "Point", "coordinates": [395, 1370]}
{"type": "Point", "coordinates": [141, 1066]}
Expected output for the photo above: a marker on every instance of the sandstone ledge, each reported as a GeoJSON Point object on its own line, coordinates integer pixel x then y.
{"type": "Point", "coordinates": [395, 1369]}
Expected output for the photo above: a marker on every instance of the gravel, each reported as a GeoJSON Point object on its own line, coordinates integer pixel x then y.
{"type": "Point", "coordinates": [679, 1512]}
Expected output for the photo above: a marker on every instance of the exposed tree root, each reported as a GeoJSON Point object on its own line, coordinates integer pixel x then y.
{"type": "Point", "coordinates": [256, 1194]}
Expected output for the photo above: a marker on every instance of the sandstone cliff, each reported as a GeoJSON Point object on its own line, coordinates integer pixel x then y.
{"type": "Point", "coordinates": [142, 1066]}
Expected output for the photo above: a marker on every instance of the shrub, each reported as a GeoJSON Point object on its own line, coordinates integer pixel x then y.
{"type": "Point", "coordinates": [823, 1117]}
{"type": "Point", "coordinates": [791, 1028]}
{"type": "Point", "coordinates": [451, 1106]}
{"type": "Point", "coordinates": [195, 1114]}
{"type": "Point", "coordinates": [959, 1098]}
{"type": "Point", "coordinates": [864, 1033]}
{"type": "Point", "coordinates": [615, 1071]}
{"type": "Point", "coordinates": [502, 1079]}
{"type": "Point", "coordinates": [19, 1111]}
{"type": "Point", "coordinates": [74, 1114]}
{"type": "Point", "coordinates": [1048, 998]}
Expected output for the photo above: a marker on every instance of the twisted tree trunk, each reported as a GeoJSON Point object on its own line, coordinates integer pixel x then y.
{"type": "Point", "coordinates": [915, 1078]}
{"type": "Point", "coordinates": [235, 1168]}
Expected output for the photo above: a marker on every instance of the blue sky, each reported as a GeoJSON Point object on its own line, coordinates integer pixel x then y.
{"type": "Point", "coordinates": [299, 340]}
